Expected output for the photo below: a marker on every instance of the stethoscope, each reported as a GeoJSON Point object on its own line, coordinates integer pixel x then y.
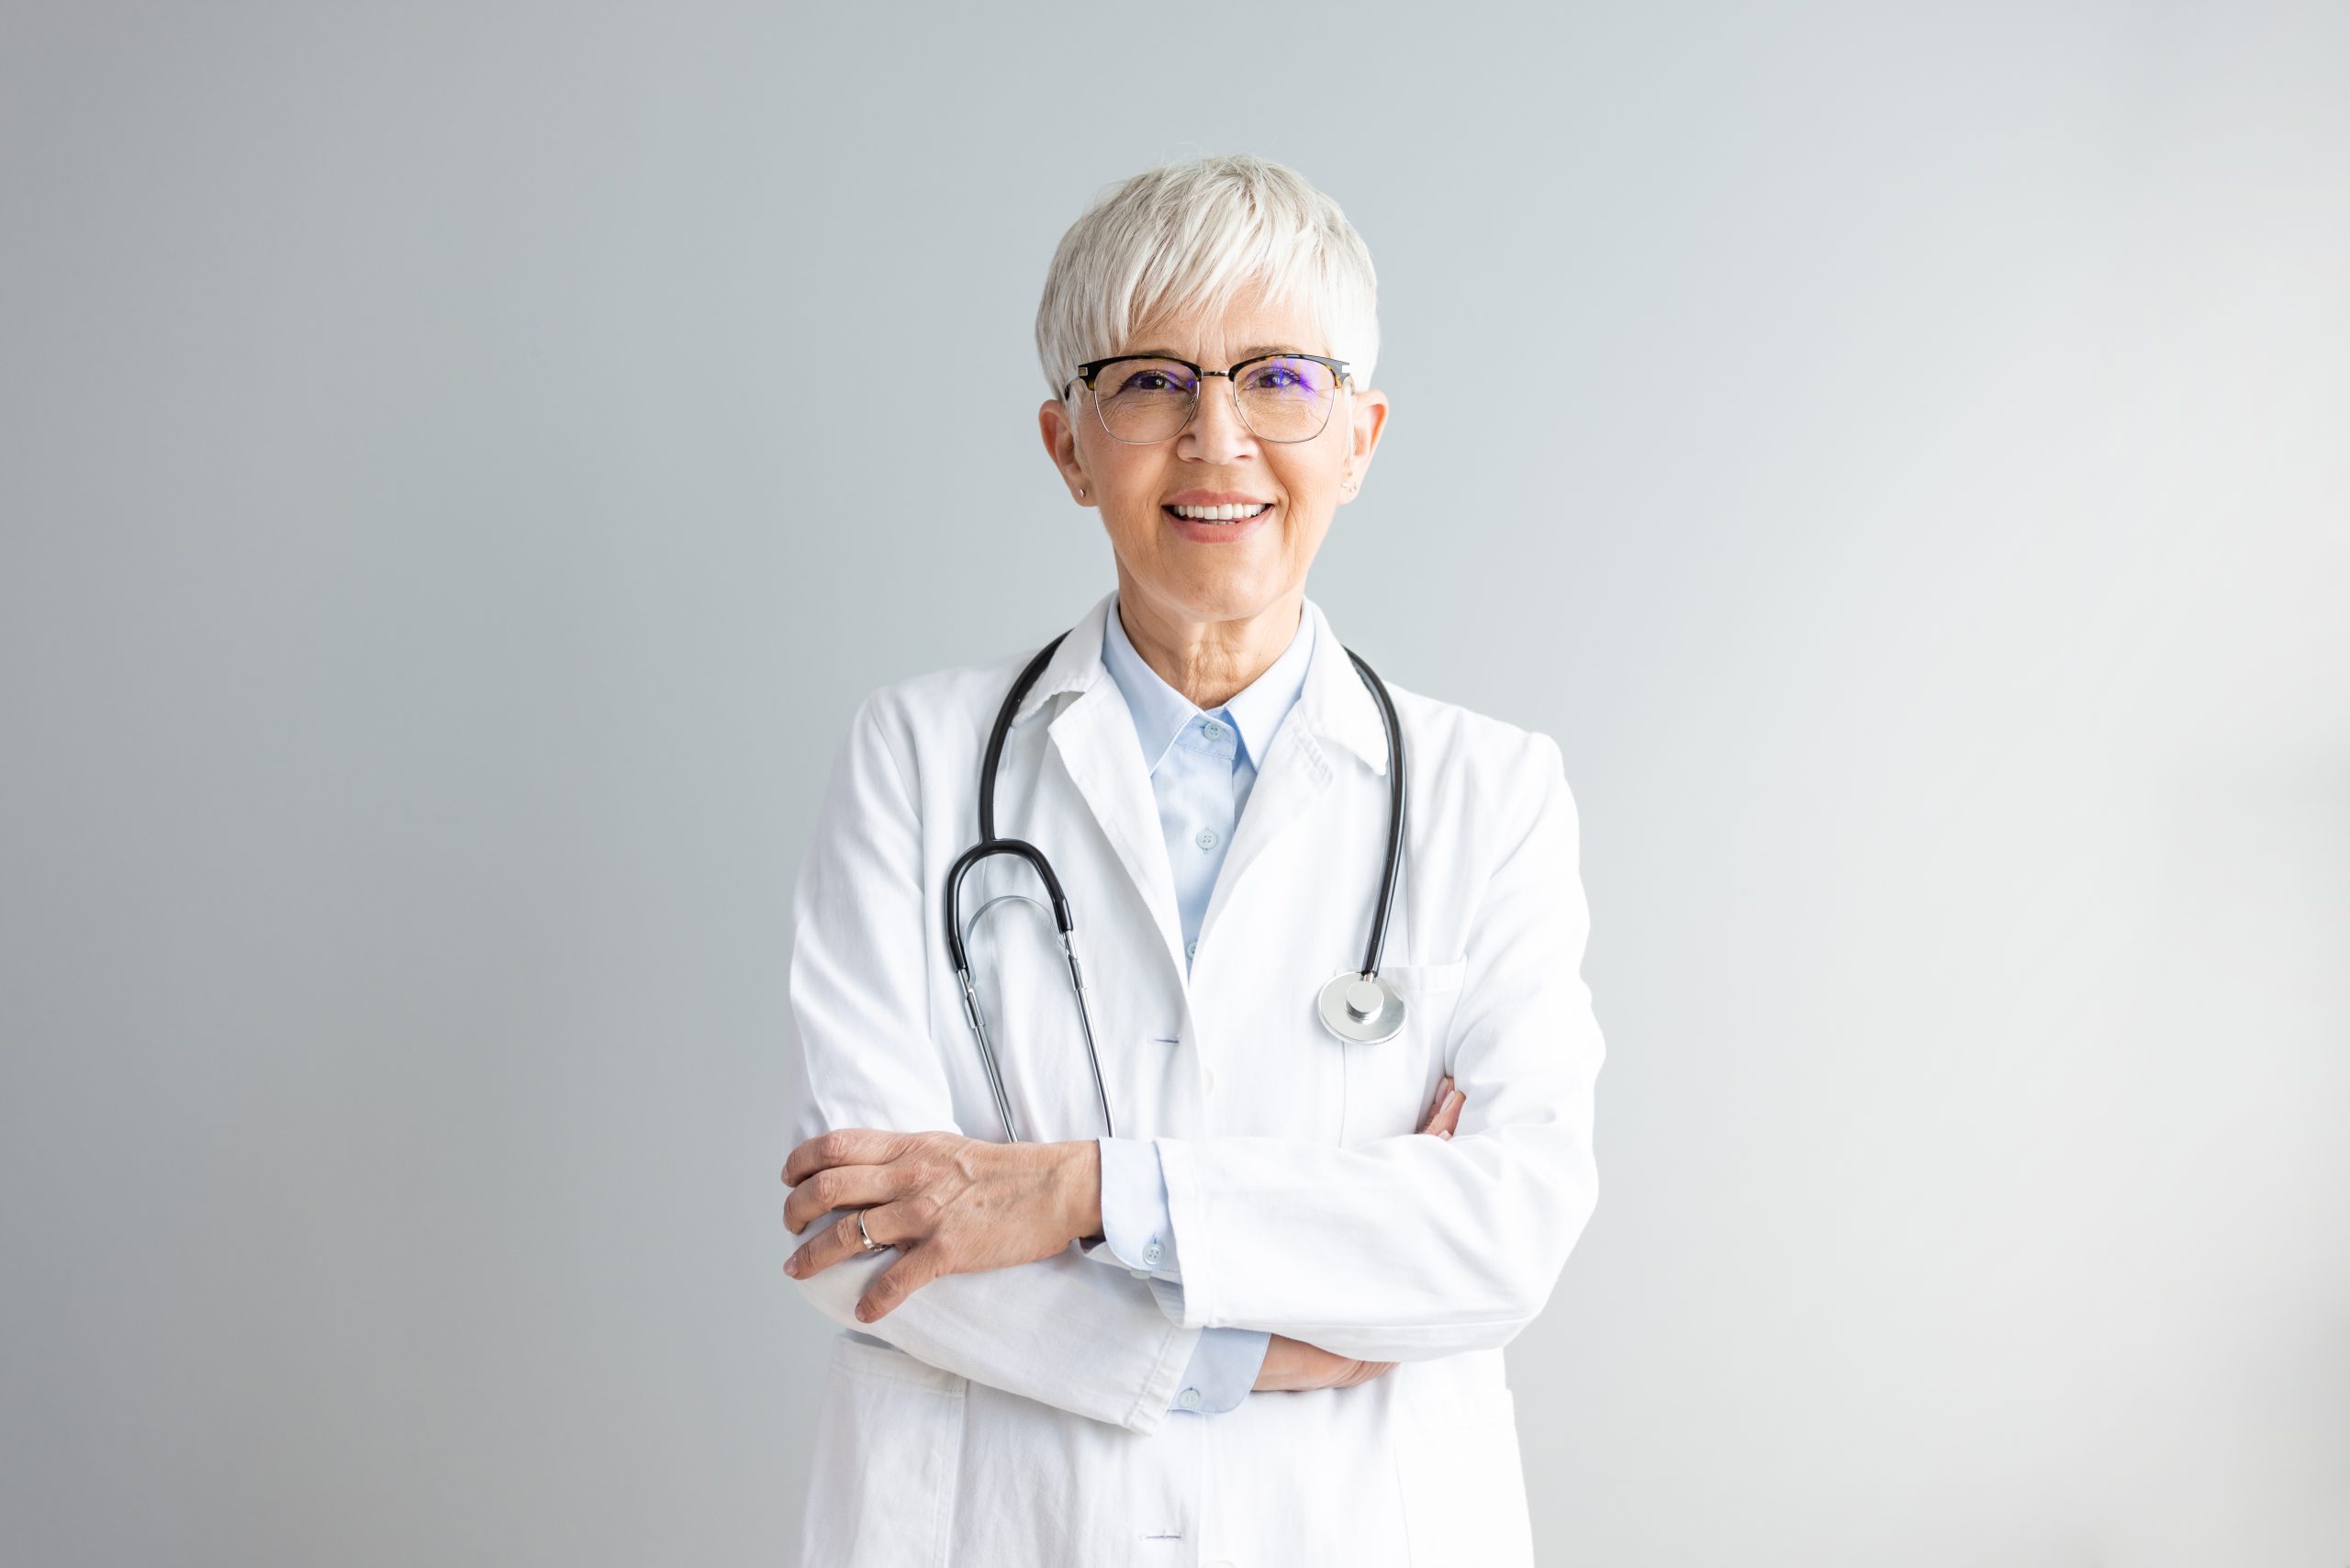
{"type": "Point", "coordinates": [1356, 1006]}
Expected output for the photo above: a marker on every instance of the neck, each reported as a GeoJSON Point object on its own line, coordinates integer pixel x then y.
{"type": "Point", "coordinates": [1210, 662]}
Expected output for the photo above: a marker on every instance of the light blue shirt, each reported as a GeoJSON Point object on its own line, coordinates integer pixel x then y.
{"type": "Point", "coordinates": [1202, 767]}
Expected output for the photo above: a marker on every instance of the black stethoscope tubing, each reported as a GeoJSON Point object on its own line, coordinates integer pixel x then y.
{"type": "Point", "coordinates": [989, 845]}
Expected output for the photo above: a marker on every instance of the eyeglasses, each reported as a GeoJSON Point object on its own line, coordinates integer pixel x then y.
{"type": "Point", "coordinates": [1141, 398]}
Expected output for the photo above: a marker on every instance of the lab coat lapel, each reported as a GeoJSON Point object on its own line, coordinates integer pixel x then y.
{"type": "Point", "coordinates": [1335, 725]}
{"type": "Point", "coordinates": [1094, 737]}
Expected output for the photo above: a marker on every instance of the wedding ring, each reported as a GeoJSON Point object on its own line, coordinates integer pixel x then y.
{"type": "Point", "coordinates": [870, 1245]}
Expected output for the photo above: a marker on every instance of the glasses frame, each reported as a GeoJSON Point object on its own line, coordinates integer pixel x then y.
{"type": "Point", "coordinates": [1093, 368]}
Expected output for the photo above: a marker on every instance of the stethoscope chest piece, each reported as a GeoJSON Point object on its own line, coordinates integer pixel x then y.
{"type": "Point", "coordinates": [1363, 1011]}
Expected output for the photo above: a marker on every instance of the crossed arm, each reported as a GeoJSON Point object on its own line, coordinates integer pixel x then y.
{"type": "Point", "coordinates": [1420, 1247]}
{"type": "Point", "coordinates": [953, 1204]}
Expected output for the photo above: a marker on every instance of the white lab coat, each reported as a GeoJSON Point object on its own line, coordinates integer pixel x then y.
{"type": "Point", "coordinates": [1020, 1417]}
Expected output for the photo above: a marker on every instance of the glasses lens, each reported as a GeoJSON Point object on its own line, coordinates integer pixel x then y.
{"type": "Point", "coordinates": [1286, 399]}
{"type": "Point", "coordinates": [1145, 400]}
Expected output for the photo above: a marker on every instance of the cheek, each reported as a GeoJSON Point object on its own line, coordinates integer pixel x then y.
{"type": "Point", "coordinates": [1130, 482]}
{"type": "Point", "coordinates": [1312, 478]}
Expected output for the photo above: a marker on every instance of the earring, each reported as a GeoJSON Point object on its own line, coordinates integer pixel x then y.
{"type": "Point", "coordinates": [1080, 492]}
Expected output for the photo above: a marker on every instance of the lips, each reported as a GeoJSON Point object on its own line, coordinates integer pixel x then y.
{"type": "Point", "coordinates": [1235, 511]}
{"type": "Point", "coordinates": [1224, 522]}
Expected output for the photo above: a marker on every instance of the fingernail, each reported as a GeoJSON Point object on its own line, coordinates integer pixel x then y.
{"type": "Point", "coordinates": [1446, 1135]}
{"type": "Point", "coordinates": [1456, 1097]}
{"type": "Point", "coordinates": [791, 1265]}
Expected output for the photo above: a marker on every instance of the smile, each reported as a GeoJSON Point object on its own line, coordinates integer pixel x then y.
{"type": "Point", "coordinates": [1220, 514]}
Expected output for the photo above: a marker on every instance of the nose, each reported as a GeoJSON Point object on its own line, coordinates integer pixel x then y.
{"type": "Point", "coordinates": [1215, 434]}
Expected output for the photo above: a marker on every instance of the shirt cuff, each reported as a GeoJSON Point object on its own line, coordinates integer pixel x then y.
{"type": "Point", "coordinates": [1222, 1371]}
{"type": "Point", "coordinates": [1135, 1222]}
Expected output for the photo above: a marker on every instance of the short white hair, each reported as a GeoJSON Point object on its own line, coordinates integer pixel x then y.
{"type": "Point", "coordinates": [1190, 237]}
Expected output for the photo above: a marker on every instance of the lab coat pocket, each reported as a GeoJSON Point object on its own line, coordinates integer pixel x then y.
{"type": "Point", "coordinates": [1389, 1085]}
{"type": "Point", "coordinates": [889, 1441]}
{"type": "Point", "coordinates": [1463, 1484]}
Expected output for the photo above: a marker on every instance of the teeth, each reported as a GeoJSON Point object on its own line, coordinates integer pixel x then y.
{"type": "Point", "coordinates": [1220, 514]}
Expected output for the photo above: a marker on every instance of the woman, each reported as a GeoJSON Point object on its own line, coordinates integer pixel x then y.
{"type": "Point", "coordinates": [1262, 1324]}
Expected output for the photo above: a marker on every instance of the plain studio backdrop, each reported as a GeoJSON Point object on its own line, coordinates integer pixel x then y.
{"type": "Point", "coordinates": [461, 464]}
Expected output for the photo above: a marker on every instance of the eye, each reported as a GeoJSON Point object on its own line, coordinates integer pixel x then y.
{"type": "Point", "coordinates": [1287, 375]}
{"type": "Point", "coordinates": [1147, 377]}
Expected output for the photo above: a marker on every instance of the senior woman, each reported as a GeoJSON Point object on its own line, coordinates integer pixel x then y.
{"type": "Point", "coordinates": [1242, 1298]}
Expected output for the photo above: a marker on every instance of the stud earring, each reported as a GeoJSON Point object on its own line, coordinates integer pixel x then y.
{"type": "Point", "coordinates": [1080, 492]}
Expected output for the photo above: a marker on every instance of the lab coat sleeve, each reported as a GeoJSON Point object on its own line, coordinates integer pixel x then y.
{"type": "Point", "coordinates": [1410, 1247]}
{"type": "Point", "coordinates": [1063, 1330]}
{"type": "Point", "coordinates": [1139, 1233]}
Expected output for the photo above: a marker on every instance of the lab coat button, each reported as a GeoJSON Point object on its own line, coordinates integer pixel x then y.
{"type": "Point", "coordinates": [1189, 1399]}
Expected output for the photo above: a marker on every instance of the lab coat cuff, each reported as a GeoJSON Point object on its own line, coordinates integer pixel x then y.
{"type": "Point", "coordinates": [1169, 1296]}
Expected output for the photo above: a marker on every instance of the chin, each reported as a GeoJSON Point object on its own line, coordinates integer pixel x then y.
{"type": "Point", "coordinates": [1230, 596]}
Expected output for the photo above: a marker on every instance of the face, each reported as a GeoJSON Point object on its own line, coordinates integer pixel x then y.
{"type": "Point", "coordinates": [1205, 571]}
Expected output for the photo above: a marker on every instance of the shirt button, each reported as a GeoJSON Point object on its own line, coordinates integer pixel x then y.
{"type": "Point", "coordinates": [1192, 949]}
{"type": "Point", "coordinates": [1213, 730]}
{"type": "Point", "coordinates": [1153, 1253]}
{"type": "Point", "coordinates": [1207, 839]}
{"type": "Point", "coordinates": [1189, 1399]}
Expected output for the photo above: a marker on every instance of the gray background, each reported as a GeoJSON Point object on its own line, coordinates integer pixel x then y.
{"type": "Point", "coordinates": [457, 479]}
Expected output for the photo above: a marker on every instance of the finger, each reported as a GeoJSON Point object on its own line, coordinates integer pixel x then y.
{"type": "Point", "coordinates": [1443, 1092]}
{"type": "Point", "coordinates": [842, 1145]}
{"type": "Point", "coordinates": [841, 1187]}
{"type": "Point", "coordinates": [917, 1267]}
{"type": "Point", "coordinates": [838, 1240]}
{"type": "Point", "coordinates": [1447, 1120]}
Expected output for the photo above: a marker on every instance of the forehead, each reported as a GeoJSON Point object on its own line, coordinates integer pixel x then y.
{"type": "Point", "coordinates": [1250, 324]}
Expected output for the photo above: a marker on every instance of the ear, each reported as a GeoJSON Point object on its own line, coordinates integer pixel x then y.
{"type": "Point", "coordinates": [1060, 444]}
{"type": "Point", "coordinates": [1367, 419]}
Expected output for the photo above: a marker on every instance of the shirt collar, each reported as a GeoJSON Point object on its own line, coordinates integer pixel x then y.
{"type": "Point", "coordinates": [1161, 712]}
{"type": "Point", "coordinates": [1335, 704]}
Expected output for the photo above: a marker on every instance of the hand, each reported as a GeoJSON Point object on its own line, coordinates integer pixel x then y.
{"type": "Point", "coordinates": [1443, 1117]}
{"type": "Point", "coordinates": [1292, 1366]}
{"type": "Point", "coordinates": [949, 1205]}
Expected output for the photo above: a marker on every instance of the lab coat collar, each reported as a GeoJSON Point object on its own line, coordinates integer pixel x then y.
{"type": "Point", "coordinates": [1335, 704]}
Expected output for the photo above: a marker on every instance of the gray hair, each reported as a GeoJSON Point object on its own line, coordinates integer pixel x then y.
{"type": "Point", "coordinates": [1187, 237]}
